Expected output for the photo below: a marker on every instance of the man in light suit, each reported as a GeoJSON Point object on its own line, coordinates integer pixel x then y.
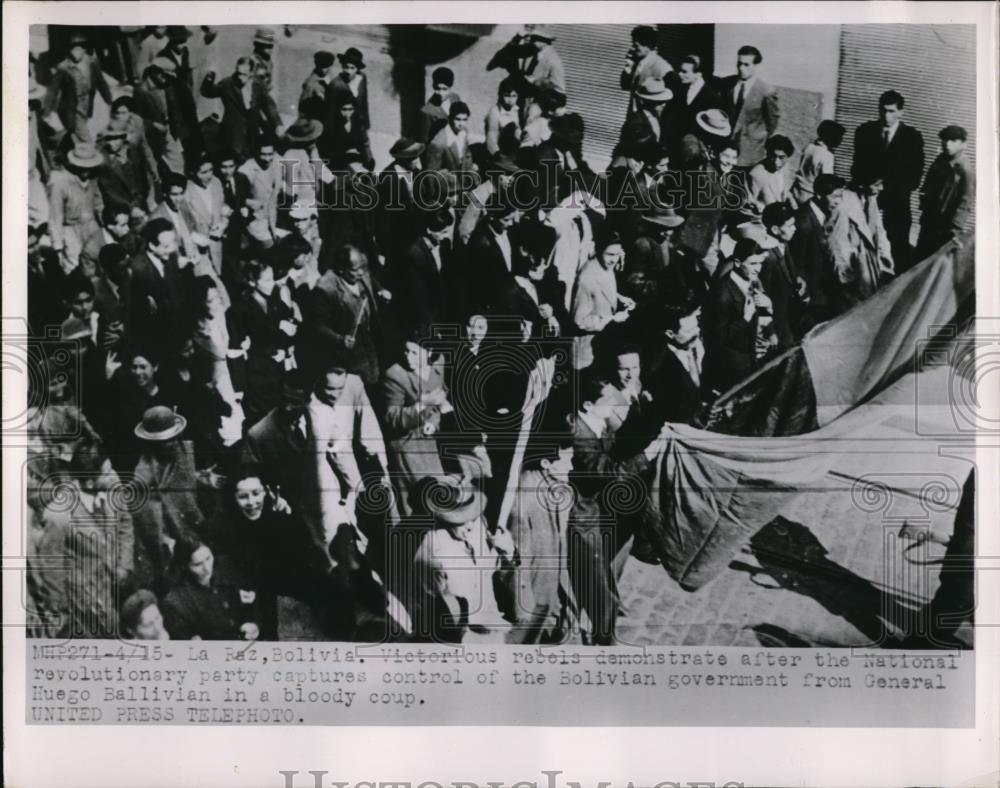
{"type": "Point", "coordinates": [642, 62]}
{"type": "Point", "coordinates": [752, 106]}
{"type": "Point", "coordinates": [449, 149]}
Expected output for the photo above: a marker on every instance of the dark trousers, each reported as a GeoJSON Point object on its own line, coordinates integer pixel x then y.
{"type": "Point", "coordinates": [597, 554]}
{"type": "Point", "coordinates": [898, 220]}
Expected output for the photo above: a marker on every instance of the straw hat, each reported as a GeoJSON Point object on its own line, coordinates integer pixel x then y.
{"type": "Point", "coordinates": [85, 156]}
{"type": "Point", "coordinates": [160, 423]}
{"type": "Point", "coordinates": [715, 122]}
{"type": "Point", "coordinates": [452, 504]}
{"type": "Point", "coordinates": [304, 130]}
{"type": "Point", "coordinates": [653, 89]}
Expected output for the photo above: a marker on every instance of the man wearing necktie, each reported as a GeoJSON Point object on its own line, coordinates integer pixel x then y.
{"type": "Point", "coordinates": [752, 106]}
{"type": "Point", "coordinates": [893, 151]}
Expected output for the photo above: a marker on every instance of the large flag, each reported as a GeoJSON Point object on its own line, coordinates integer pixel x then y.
{"type": "Point", "coordinates": [843, 362]}
{"type": "Point", "coordinates": [841, 403]}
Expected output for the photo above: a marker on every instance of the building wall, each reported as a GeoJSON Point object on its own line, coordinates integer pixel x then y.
{"type": "Point", "coordinates": [805, 57]}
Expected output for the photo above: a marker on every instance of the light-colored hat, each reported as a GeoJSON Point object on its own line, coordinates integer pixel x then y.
{"type": "Point", "coordinates": [715, 122]}
{"type": "Point", "coordinates": [653, 89]}
{"type": "Point", "coordinates": [166, 65]}
{"type": "Point", "coordinates": [160, 423]}
{"type": "Point", "coordinates": [300, 211]}
{"type": "Point", "coordinates": [85, 155]}
{"type": "Point", "coordinates": [451, 503]}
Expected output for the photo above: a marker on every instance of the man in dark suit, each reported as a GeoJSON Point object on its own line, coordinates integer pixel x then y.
{"type": "Point", "coordinates": [425, 274]}
{"type": "Point", "coordinates": [809, 246]}
{"type": "Point", "coordinates": [739, 321]}
{"type": "Point", "coordinates": [343, 132]}
{"type": "Point", "coordinates": [752, 106]}
{"type": "Point", "coordinates": [895, 152]}
{"type": "Point", "coordinates": [157, 286]}
{"type": "Point", "coordinates": [399, 221]}
{"type": "Point", "coordinates": [249, 110]}
{"type": "Point", "coordinates": [695, 95]}
{"type": "Point", "coordinates": [672, 366]}
{"type": "Point", "coordinates": [122, 180]}
{"type": "Point", "coordinates": [781, 278]}
{"type": "Point", "coordinates": [279, 442]}
{"type": "Point", "coordinates": [352, 79]}
{"type": "Point", "coordinates": [344, 313]}
{"type": "Point", "coordinates": [490, 251]}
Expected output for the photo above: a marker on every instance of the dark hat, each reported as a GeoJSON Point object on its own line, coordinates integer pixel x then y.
{"type": "Point", "coordinates": [663, 215]}
{"type": "Point", "coordinates": [505, 163]}
{"type": "Point", "coordinates": [443, 76]}
{"type": "Point", "coordinates": [568, 127]}
{"type": "Point", "coordinates": [404, 148]}
{"type": "Point", "coordinates": [354, 56]}
{"type": "Point", "coordinates": [264, 36]}
{"type": "Point", "coordinates": [953, 133]}
{"type": "Point", "coordinates": [78, 39]}
{"type": "Point", "coordinates": [160, 423]}
{"type": "Point", "coordinates": [540, 32]}
{"type": "Point", "coordinates": [746, 247]}
{"type": "Point", "coordinates": [451, 503]}
{"type": "Point", "coordinates": [178, 33]}
{"type": "Point", "coordinates": [166, 65]}
{"type": "Point", "coordinates": [304, 130]}
{"type": "Point", "coordinates": [323, 59]}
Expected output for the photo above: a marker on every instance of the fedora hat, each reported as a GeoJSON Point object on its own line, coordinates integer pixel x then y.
{"type": "Point", "coordinates": [715, 122]}
{"type": "Point", "coordinates": [451, 503]}
{"type": "Point", "coordinates": [541, 32]}
{"type": "Point", "coordinates": [264, 36]}
{"type": "Point", "coordinates": [166, 65]}
{"type": "Point", "coordinates": [663, 215]}
{"type": "Point", "coordinates": [352, 55]}
{"type": "Point", "coordinates": [404, 148]}
{"type": "Point", "coordinates": [653, 89]}
{"type": "Point", "coordinates": [304, 130]}
{"type": "Point", "coordinates": [160, 423]}
{"type": "Point", "coordinates": [85, 155]}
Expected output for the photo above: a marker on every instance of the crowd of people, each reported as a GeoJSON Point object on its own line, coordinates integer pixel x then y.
{"type": "Point", "coordinates": [423, 397]}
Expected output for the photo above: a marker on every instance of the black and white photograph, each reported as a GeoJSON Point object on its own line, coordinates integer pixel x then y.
{"type": "Point", "coordinates": [580, 361]}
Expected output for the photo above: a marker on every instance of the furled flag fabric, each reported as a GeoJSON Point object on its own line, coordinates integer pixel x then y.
{"type": "Point", "coordinates": [714, 490]}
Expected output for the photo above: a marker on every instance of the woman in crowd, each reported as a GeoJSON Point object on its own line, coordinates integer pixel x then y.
{"type": "Point", "coordinates": [208, 601]}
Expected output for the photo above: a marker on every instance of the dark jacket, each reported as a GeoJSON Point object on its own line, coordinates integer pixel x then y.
{"type": "Point", "coordinates": [334, 313]}
{"type": "Point", "coordinates": [157, 303]}
{"type": "Point", "coordinates": [213, 612]}
{"type": "Point", "coordinates": [62, 95]}
{"type": "Point", "coordinates": [730, 341]}
{"type": "Point", "coordinates": [901, 165]}
{"type": "Point", "coordinates": [242, 125]}
{"type": "Point", "coordinates": [810, 251]}
{"type": "Point", "coordinates": [338, 87]}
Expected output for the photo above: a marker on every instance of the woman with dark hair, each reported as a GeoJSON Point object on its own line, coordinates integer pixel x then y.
{"type": "Point", "coordinates": [208, 601]}
{"type": "Point", "coordinates": [504, 113]}
{"type": "Point", "coordinates": [270, 545]}
{"type": "Point", "coordinates": [261, 315]}
{"type": "Point", "coordinates": [136, 385]}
